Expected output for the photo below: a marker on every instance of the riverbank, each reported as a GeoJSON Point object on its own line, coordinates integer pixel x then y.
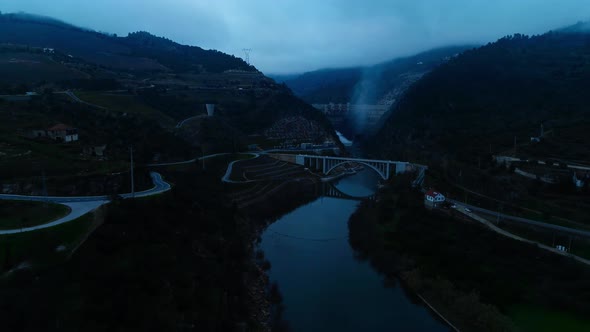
{"type": "Point", "coordinates": [189, 253]}
{"type": "Point", "coordinates": [254, 206]}
{"type": "Point", "coordinates": [261, 214]}
{"type": "Point", "coordinates": [472, 276]}
{"type": "Point", "coordinates": [310, 258]}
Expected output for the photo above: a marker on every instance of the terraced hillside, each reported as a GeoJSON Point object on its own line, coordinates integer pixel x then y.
{"type": "Point", "coordinates": [265, 168]}
{"type": "Point", "coordinates": [264, 176]}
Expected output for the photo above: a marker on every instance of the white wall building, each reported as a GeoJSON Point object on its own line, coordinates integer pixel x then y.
{"type": "Point", "coordinates": [433, 199]}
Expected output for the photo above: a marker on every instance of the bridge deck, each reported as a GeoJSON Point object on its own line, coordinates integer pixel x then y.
{"type": "Point", "coordinates": [360, 160]}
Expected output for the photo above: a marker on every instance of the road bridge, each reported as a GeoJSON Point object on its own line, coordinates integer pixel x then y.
{"type": "Point", "coordinates": [383, 167]}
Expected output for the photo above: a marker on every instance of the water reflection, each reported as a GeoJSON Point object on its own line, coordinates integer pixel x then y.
{"type": "Point", "coordinates": [363, 184]}
{"type": "Point", "coordinates": [324, 287]}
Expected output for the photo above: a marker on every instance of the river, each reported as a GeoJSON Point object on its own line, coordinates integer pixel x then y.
{"type": "Point", "coordinates": [324, 287]}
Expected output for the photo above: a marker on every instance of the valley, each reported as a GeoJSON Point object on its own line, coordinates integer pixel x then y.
{"type": "Point", "coordinates": [150, 185]}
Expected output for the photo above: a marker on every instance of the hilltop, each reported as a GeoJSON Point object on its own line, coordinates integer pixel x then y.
{"type": "Point", "coordinates": [138, 51]}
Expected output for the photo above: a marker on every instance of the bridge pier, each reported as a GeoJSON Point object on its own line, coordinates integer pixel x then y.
{"type": "Point", "coordinates": [400, 167]}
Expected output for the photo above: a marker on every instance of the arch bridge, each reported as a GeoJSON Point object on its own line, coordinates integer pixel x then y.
{"type": "Point", "coordinates": [383, 167]}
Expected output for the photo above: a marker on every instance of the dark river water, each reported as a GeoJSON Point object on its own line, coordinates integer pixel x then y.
{"type": "Point", "coordinates": [324, 287]}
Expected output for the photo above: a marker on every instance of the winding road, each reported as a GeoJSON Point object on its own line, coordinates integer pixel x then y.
{"type": "Point", "coordinates": [75, 98]}
{"type": "Point", "coordinates": [230, 167]}
{"type": "Point", "coordinates": [81, 205]}
{"type": "Point", "coordinates": [181, 123]}
{"type": "Point", "coordinates": [463, 209]}
{"type": "Point", "coordinates": [189, 161]}
{"type": "Point", "coordinates": [530, 222]}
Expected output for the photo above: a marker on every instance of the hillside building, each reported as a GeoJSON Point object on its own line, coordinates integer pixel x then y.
{"type": "Point", "coordinates": [433, 199]}
{"type": "Point", "coordinates": [97, 151]}
{"type": "Point", "coordinates": [63, 133]}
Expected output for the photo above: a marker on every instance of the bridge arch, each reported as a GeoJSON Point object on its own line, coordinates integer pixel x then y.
{"type": "Point", "coordinates": [383, 175]}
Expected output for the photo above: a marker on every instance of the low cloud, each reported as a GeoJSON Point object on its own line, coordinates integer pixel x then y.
{"type": "Point", "coordinates": [293, 36]}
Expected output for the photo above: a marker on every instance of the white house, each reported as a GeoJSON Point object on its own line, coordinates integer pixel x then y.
{"type": "Point", "coordinates": [433, 199]}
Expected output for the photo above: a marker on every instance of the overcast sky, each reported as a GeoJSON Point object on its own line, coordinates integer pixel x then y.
{"type": "Point", "coordinates": [300, 35]}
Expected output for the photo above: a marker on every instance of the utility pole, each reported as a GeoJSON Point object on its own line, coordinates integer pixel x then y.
{"type": "Point", "coordinates": [500, 209]}
{"type": "Point", "coordinates": [44, 187]}
{"type": "Point", "coordinates": [132, 177]}
{"type": "Point", "coordinates": [515, 146]}
{"type": "Point", "coordinates": [203, 157]}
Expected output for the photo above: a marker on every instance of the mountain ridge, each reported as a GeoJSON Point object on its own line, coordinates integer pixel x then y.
{"type": "Point", "coordinates": [112, 51]}
{"type": "Point", "coordinates": [482, 99]}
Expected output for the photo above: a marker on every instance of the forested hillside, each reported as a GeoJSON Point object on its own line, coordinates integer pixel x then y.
{"type": "Point", "coordinates": [480, 101]}
{"type": "Point", "coordinates": [140, 80]}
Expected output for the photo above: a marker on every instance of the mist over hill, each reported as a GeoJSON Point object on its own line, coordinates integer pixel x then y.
{"type": "Point", "coordinates": [357, 99]}
{"type": "Point", "coordinates": [46, 20]}
{"type": "Point", "coordinates": [580, 27]}
{"type": "Point", "coordinates": [487, 98]}
{"type": "Point", "coordinates": [366, 84]}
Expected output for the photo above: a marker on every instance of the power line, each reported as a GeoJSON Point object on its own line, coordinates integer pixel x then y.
{"type": "Point", "coordinates": [247, 52]}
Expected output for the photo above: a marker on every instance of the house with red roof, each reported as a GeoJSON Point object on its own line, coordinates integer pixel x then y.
{"type": "Point", "coordinates": [63, 133]}
{"type": "Point", "coordinates": [433, 199]}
